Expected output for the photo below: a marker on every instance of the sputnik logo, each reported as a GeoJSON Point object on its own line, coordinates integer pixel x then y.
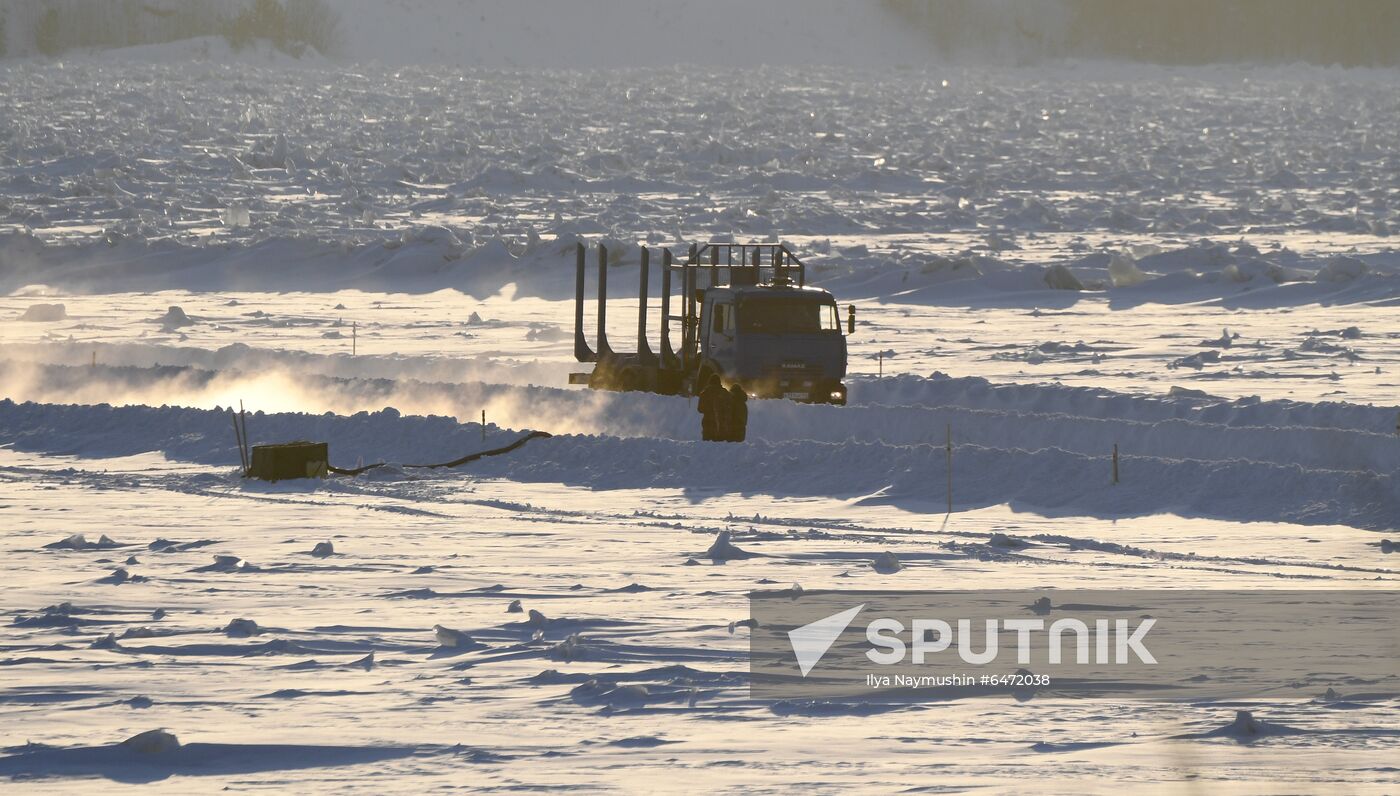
{"type": "Point", "coordinates": [811, 641]}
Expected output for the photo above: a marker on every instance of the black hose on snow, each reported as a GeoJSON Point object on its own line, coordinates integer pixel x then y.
{"type": "Point", "coordinates": [454, 463]}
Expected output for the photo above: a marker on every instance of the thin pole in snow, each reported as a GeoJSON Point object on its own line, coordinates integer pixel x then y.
{"type": "Point", "coordinates": [243, 416]}
{"type": "Point", "coordinates": [483, 425]}
{"type": "Point", "coordinates": [238, 438]}
{"type": "Point", "coordinates": [881, 356]}
{"type": "Point", "coordinates": [244, 453]}
{"type": "Point", "coordinates": [949, 445]}
{"type": "Point", "coordinates": [1115, 462]}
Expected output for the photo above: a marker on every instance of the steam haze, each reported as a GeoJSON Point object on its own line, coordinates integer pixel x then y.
{"type": "Point", "coordinates": [656, 33]}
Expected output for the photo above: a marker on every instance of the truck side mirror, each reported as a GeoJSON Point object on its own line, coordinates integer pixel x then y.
{"type": "Point", "coordinates": [850, 319]}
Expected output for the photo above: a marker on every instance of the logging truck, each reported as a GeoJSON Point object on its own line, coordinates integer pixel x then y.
{"type": "Point", "coordinates": [746, 314]}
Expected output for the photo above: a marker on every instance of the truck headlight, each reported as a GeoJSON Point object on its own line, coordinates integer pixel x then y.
{"type": "Point", "coordinates": [837, 395]}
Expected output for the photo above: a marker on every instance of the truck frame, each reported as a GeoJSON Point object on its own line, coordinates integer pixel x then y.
{"type": "Point", "coordinates": [755, 323]}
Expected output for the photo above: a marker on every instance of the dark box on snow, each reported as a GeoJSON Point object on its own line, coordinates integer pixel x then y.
{"type": "Point", "coordinates": [289, 460]}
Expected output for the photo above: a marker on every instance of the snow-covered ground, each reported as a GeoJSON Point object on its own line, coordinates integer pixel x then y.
{"type": "Point", "coordinates": [1233, 335]}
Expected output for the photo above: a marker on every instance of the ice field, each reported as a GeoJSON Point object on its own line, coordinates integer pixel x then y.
{"type": "Point", "coordinates": [1194, 265]}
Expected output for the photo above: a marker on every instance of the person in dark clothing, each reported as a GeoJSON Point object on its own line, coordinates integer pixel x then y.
{"type": "Point", "coordinates": [714, 410]}
{"type": "Point", "coordinates": [738, 414]}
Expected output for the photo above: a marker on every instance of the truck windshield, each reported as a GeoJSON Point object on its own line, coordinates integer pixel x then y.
{"type": "Point", "coordinates": [780, 316]}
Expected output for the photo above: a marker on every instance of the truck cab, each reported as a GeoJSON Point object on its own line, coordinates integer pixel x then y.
{"type": "Point", "coordinates": [775, 341]}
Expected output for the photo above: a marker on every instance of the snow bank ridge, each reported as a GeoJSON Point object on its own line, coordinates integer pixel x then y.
{"type": "Point", "coordinates": [1048, 479]}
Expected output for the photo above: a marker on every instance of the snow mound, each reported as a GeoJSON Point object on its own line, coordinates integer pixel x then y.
{"type": "Point", "coordinates": [1342, 269]}
{"type": "Point", "coordinates": [594, 692]}
{"type": "Point", "coordinates": [1196, 361]}
{"type": "Point", "coordinates": [242, 628]}
{"type": "Point", "coordinates": [1123, 271]}
{"type": "Point", "coordinates": [79, 542]}
{"type": "Point", "coordinates": [152, 742]}
{"type": "Point", "coordinates": [1058, 277]}
{"type": "Point", "coordinates": [227, 564]}
{"type": "Point", "coordinates": [1246, 729]}
{"type": "Point", "coordinates": [121, 575]}
{"type": "Point", "coordinates": [44, 313]}
{"type": "Point", "coordinates": [456, 640]}
{"type": "Point", "coordinates": [569, 650]}
{"type": "Point", "coordinates": [724, 550]}
{"type": "Point", "coordinates": [174, 318]}
{"type": "Point", "coordinates": [886, 563]}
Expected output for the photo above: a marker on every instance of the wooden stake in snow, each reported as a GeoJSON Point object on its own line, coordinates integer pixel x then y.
{"type": "Point", "coordinates": [240, 434]}
{"type": "Point", "coordinates": [238, 438]}
{"type": "Point", "coordinates": [247, 455]}
{"type": "Point", "coordinates": [1115, 462]}
{"type": "Point", "coordinates": [881, 356]}
{"type": "Point", "coordinates": [483, 425]}
{"type": "Point", "coordinates": [950, 467]}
